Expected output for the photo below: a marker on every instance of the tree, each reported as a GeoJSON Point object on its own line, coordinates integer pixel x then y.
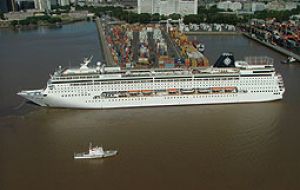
{"type": "Point", "coordinates": [156, 17]}
{"type": "Point", "coordinates": [2, 15]}
{"type": "Point", "coordinates": [133, 17]}
{"type": "Point", "coordinates": [196, 19]}
{"type": "Point", "coordinates": [163, 17]}
{"type": "Point", "coordinates": [145, 18]}
{"type": "Point", "coordinates": [174, 16]}
{"type": "Point", "coordinates": [14, 23]}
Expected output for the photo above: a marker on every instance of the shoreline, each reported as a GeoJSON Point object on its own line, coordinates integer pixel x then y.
{"type": "Point", "coordinates": [212, 33]}
{"type": "Point", "coordinates": [35, 26]}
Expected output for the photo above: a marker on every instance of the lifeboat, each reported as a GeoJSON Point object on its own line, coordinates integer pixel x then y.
{"type": "Point", "coordinates": [230, 89]}
{"type": "Point", "coordinates": [147, 92]}
{"type": "Point", "coordinates": [172, 91]}
{"type": "Point", "coordinates": [187, 91]}
{"type": "Point", "coordinates": [217, 89]}
{"type": "Point", "coordinates": [122, 95]}
{"type": "Point", "coordinates": [134, 92]}
{"type": "Point", "coordinates": [204, 90]}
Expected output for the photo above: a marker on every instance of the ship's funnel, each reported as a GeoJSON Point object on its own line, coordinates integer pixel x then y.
{"type": "Point", "coordinates": [225, 60]}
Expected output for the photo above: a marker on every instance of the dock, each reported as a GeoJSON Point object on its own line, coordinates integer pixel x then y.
{"type": "Point", "coordinates": [101, 28]}
{"type": "Point", "coordinates": [212, 33]}
{"type": "Point", "coordinates": [173, 50]}
{"type": "Point", "coordinates": [271, 46]}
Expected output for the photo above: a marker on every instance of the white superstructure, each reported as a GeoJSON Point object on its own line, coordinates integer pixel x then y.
{"type": "Point", "coordinates": [228, 81]}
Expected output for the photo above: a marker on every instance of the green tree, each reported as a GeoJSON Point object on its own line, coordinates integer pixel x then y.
{"type": "Point", "coordinates": [2, 15]}
{"type": "Point", "coordinates": [156, 17]}
{"type": "Point", "coordinates": [24, 22]}
{"type": "Point", "coordinates": [174, 16]}
{"type": "Point", "coordinates": [145, 18]}
{"type": "Point", "coordinates": [196, 19]}
{"type": "Point", "coordinates": [163, 17]}
{"type": "Point", "coordinates": [14, 23]}
{"type": "Point", "coordinates": [133, 18]}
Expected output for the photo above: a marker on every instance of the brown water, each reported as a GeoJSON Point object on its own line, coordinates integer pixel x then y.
{"type": "Point", "coordinates": [242, 146]}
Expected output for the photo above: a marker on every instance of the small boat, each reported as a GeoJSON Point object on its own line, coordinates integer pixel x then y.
{"type": "Point", "coordinates": [147, 92]}
{"type": "Point", "coordinates": [95, 152]}
{"type": "Point", "coordinates": [204, 90]}
{"type": "Point", "coordinates": [134, 92]}
{"type": "Point", "coordinates": [230, 89]}
{"type": "Point", "coordinates": [199, 46]}
{"type": "Point", "coordinates": [289, 60]}
{"type": "Point", "coordinates": [218, 89]}
{"type": "Point", "coordinates": [172, 91]}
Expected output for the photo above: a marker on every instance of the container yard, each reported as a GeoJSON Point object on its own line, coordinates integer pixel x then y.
{"type": "Point", "coordinates": [189, 50]}
{"type": "Point", "coordinates": [151, 46]}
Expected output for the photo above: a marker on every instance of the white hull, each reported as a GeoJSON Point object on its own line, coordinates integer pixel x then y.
{"type": "Point", "coordinates": [104, 155]}
{"type": "Point", "coordinates": [144, 101]}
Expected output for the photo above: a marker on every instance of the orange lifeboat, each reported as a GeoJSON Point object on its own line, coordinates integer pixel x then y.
{"type": "Point", "coordinates": [230, 89]}
{"type": "Point", "coordinates": [147, 92]}
{"type": "Point", "coordinates": [217, 89]}
{"type": "Point", "coordinates": [134, 92]}
{"type": "Point", "coordinates": [172, 90]}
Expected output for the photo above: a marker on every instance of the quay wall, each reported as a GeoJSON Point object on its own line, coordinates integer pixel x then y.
{"type": "Point", "coordinates": [211, 33]}
{"type": "Point", "coordinates": [108, 59]}
{"type": "Point", "coordinates": [276, 48]}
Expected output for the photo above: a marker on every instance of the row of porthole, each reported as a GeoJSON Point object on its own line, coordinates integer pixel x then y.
{"type": "Point", "coordinates": [74, 95]}
{"type": "Point", "coordinates": [263, 91]}
{"type": "Point", "coordinates": [136, 99]}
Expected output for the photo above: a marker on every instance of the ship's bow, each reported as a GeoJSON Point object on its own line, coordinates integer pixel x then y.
{"type": "Point", "coordinates": [36, 96]}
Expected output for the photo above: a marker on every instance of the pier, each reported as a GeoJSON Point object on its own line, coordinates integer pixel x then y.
{"type": "Point", "coordinates": [271, 46]}
{"type": "Point", "coordinates": [101, 26]}
{"type": "Point", "coordinates": [173, 50]}
{"type": "Point", "coordinates": [212, 33]}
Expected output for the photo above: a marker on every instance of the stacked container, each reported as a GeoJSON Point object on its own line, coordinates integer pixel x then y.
{"type": "Point", "coordinates": [119, 39]}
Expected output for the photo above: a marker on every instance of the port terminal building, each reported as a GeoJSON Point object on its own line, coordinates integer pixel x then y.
{"type": "Point", "coordinates": [167, 7]}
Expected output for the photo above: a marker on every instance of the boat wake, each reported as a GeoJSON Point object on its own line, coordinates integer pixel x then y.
{"type": "Point", "coordinates": [20, 105]}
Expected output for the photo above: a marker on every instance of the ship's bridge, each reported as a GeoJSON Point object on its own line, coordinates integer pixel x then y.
{"type": "Point", "coordinates": [255, 63]}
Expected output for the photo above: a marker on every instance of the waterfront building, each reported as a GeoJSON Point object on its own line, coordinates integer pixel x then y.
{"type": "Point", "coordinates": [235, 6]}
{"type": "Point", "coordinates": [42, 5]}
{"type": "Point", "coordinates": [228, 5]}
{"type": "Point", "coordinates": [7, 6]}
{"type": "Point", "coordinates": [63, 2]}
{"type": "Point", "coordinates": [24, 5]}
{"type": "Point", "coordinates": [258, 6]}
{"type": "Point", "coordinates": [3, 6]}
{"type": "Point", "coordinates": [254, 6]}
{"type": "Point", "coordinates": [291, 5]}
{"type": "Point", "coordinates": [18, 15]}
{"type": "Point", "coordinates": [128, 3]}
{"type": "Point", "coordinates": [276, 6]}
{"type": "Point", "coordinates": [167, 7]}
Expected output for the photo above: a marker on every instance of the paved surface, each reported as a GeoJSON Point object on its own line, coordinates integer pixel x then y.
{"type": "Point", "coordinates": [103, 43]}
{"type": "Point", "coordinates": [173, 50]}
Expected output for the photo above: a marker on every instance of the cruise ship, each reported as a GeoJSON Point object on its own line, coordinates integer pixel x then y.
{"type": "Point", "coordinates": [99, 87]}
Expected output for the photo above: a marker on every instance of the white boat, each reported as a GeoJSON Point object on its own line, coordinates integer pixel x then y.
{"type": "Point", "coordinates": [95, 152]}
{"type": "Point", "coordinates": [289, 60]}
{"type": "Point", "coordinates": [101, 87]}
{"type": "Point", "coordinates": [187, 91]}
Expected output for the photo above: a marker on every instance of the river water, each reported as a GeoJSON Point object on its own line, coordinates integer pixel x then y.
{"type": "Point", "coordinates": [241, 146]}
